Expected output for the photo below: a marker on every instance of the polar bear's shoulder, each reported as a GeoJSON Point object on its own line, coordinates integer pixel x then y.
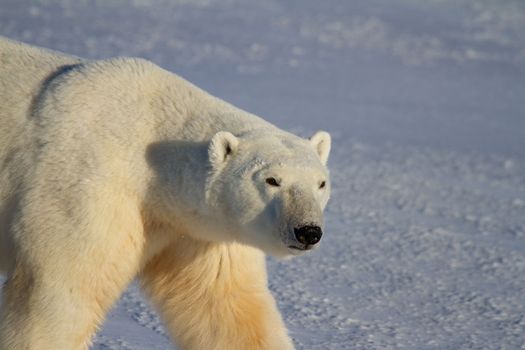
{"type": "Point", "coordinates": [31, 65]}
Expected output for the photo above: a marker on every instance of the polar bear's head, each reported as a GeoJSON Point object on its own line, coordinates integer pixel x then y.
{"type": "Point", "coordinates": [271, 187]}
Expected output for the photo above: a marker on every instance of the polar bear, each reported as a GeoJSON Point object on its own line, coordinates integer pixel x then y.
{"type": "Point", "coordinates": [117, 169]}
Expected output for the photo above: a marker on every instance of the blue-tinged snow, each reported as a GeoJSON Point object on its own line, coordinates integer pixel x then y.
{"type": "Point", "coordinates": [425, 238]}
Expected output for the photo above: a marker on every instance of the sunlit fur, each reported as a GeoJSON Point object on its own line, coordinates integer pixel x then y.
{"type": "Point", "coordinates": [214, 296]}
{"type": "Point", "coordinates": [112, 170]}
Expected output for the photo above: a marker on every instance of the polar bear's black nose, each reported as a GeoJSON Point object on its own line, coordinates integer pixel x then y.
{"type": "Point", "coordinates": [308, 234]}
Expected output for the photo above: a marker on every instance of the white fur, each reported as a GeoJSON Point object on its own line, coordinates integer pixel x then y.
{"type": "Point", "coordinates": [321, 141]}
{"type": "Point", "coordinates": [118, 169]}
{"type": "Point", "coordinates": [222, 145]}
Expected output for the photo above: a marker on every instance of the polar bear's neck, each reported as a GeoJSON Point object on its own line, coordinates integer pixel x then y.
{"type": "Point", "coordinates": [185, 119]}
{"type": "Point", "coordinates": [180, 176]}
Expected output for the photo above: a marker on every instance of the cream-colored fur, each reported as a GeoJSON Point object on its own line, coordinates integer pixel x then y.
{"type": "Point", "coordinates": [111, 170]}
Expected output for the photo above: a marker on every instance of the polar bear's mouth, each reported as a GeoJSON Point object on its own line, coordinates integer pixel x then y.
{"type": "Point", "coordinates": [295, 250]}
{"type": "Point", "coordinates": [301, 248]}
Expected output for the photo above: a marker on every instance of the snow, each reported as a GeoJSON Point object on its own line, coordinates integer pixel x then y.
{"type": "Point", "coordinates": [425, 100]}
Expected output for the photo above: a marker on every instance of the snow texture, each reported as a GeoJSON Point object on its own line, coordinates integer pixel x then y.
{"type": "Point", "coordinates": [425, 239]}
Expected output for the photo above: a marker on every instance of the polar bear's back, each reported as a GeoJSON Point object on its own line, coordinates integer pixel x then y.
{"type": "Point", "coordinates": [23, 68]}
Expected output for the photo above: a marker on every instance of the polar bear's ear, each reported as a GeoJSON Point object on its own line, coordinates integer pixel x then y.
{"type": "Point", "coordinates": [222, 145]}
{"type": "Point", "coordinates": [321, 142]}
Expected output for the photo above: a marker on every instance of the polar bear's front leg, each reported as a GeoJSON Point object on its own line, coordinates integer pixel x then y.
{"type": "Point", "coordinates": [215, 296]}
{"type": "Point", "coordinates": [69, 269]}
{"type": "Point", "coordinates": [37, 315]}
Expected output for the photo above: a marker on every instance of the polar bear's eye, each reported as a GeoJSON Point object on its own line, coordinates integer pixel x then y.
{"type": "Point", "coordinates": [272, 182]}
{"type": "Point", "coordinates": [322, 184]}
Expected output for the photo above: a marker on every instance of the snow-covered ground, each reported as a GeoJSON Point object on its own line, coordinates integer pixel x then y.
{"type": "Point", "coordinates": [425, 239]}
